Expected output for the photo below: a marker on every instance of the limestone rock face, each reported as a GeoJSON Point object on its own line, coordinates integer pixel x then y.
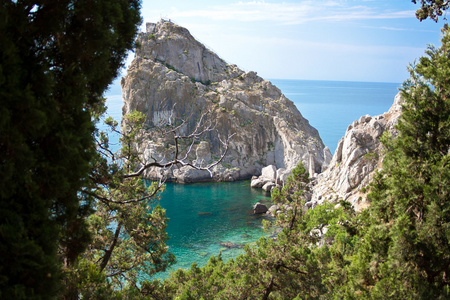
{"type": "Point", "coordinates": [174, 78]}
{"type": "Point", "coordinates": [357, 156]}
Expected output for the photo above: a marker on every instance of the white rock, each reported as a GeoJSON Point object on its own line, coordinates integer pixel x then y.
{"type": "Point", "coordinates": [358, 155]}
{"type": "Point", "coordinates": [268, 186]}
{"type": "Point", "coordinates": [256, 183]}
{"type": "Point", "coordinates": [174, 77]}
{"type": "Point", "coordinates": [279, 176]}
{"type": "Point", "coordinates": [269, 173]}
{"type": "Point", "coordinates": [203, 153]}
{"type": "Point", "coordinates": [274, 208]}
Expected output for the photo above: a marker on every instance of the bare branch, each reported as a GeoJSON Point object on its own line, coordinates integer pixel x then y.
{"type": "Point", "coordinates": [181, 162]}
{"type": "Point", "coordinates": [174, 130]}
{"type": "Point", "coordinates": [105, 151]}
{"type": "Point", "coordinates": [200, 129]}
{"type": "Point", "coordinates": [189, 150]}
{"type": "Point", "coordinates": [208, 168]}
{"type": "Point", "coordinates": [149, 165]}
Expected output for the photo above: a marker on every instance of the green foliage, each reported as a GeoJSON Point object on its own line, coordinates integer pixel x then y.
{"type": "Point", "coordinates": [246, 122]}
{"type": "Point", "coordinates": [432, 9]}
{"type": "Point", "coordinates": [170, 67]}
{"type": "Point", "coordinates": [128, 227]}
{"type": "Point", "coordinates": [76, 223]}
{"type": "Point", "coordinates": [371, 156]}
{"type": "Point", "coordinates": [56, 60]}
{"type": "Point", "coordinates": [227, 165]}
{"type": "Point", "coordinates": [285, 267]}
{"type": "Point", "coordinates": [405, 253]}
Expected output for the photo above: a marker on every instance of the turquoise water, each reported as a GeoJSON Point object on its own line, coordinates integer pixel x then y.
{"type": "Point", "coordinates": [204, 215]}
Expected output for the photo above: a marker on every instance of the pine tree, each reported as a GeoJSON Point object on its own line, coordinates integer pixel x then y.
{"type": "Point", "coordinates": [127, 226]}
{"type": "Point", "coordinates": [432, 9]}
{"type": "Point", "coordinates": [56, 60]}
{"type": "Point", "coordinates": [405, 251]}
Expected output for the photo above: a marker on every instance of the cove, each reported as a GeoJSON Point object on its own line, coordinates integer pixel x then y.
{"type": "Point", "coordinates": [204, 215]}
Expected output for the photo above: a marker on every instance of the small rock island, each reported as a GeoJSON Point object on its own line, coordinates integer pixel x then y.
{"type": "Point", "coordinates": [176, 81]}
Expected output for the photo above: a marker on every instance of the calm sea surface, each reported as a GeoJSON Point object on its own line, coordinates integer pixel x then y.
{"type": "Point", "coordinates": [204, 216]}
{"type": "Point", "coordinates": [330, 106]}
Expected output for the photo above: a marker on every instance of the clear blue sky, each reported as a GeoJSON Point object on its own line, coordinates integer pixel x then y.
{"type": "Point", "coordinates": [349, 40]}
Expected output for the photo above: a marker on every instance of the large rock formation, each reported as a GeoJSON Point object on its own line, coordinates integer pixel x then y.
{"type": "Point", "coordinates": [174, 77]}
{"type": "Point", "coordinates": [359, 153]}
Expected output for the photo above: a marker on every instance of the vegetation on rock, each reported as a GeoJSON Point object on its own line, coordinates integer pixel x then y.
{"type": "Point", "coordinates": [410, 197]}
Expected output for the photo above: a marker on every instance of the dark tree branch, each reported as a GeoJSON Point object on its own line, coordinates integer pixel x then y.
{"type": "Point", "coordinates": [281, 264]}
{"type": "Point", "coordinates": [268, 290]}
{"type": "Point", "coordinates": [181, 161]}
{"type": "Point", "coordinates": [107, 200]}
{"type": "Point", "coordinates": [105, 151]}
{"type": "Point", "coordinates": [109, 252]}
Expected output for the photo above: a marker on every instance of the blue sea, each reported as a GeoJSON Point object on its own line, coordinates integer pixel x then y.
{"type": "Point", "coordinates": [330, 106]}
{"type": "Point", "coordinates": [204, 216]}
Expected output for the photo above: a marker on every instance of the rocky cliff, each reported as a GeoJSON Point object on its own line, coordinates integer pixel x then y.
{"type": "Point", "coordinates": [358, 154]}
{"type": "Point", "coordinates": [175, 80]}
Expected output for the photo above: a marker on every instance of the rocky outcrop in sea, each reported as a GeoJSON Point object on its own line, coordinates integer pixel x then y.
{"type": "Point", "coordinates": [358, 155]}
{"type": "Point", "coordinates": [176, 81]}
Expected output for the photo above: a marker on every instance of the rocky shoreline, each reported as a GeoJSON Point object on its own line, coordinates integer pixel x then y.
{"type": "Point", "coordinates": [358, 155]}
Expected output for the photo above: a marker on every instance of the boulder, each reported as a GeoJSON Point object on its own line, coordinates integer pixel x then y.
{"type": "Point", "coordinates": [272, 211]}
{"type": "Point", "coordinates": [205, 213]}
{"type": "Point", "coordinates": [189, 175]}
{"type": "Point", "coordinates": [269, 173]}
{"type": "Point", "coordinates": [268, 186]}
{"type": "Point", "coordinates": [279, 180]}
{"type": "Point", "coordinates": [257, 183]}
{"type": "Point", "coordinates": [259, 208]}
{"type": "Point", "coordinates": [231, 245]}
